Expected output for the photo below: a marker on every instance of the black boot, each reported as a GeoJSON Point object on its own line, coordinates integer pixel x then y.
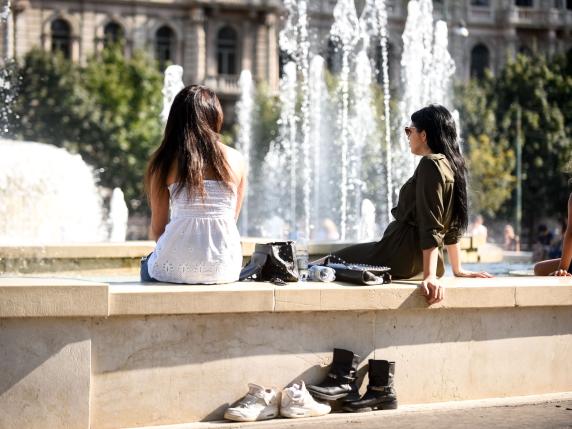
{"type": "Point", "coordinates": [341, 380]}
{"type": "Point", "coordinates": [380, 394]}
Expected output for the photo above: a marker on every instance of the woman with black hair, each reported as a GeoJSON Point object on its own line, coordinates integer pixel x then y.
{"type": "Point", "coordinates": [201, 182]}
{"type": "Point", "coordinates": [431, 210]}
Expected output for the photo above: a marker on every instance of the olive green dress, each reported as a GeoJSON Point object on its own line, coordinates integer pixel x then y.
{"type": "Point", "coordinates": [422, 221]}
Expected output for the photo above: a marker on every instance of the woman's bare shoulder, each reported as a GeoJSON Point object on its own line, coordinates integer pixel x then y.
{"type": "Point", "coordinates": [231, 153]}
{"type": "Point", "coordinates": [235, 160]}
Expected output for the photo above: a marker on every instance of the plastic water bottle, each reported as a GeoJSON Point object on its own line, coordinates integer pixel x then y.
{"type": "Point", "coordinates": [302, 257]}
{"type": "Point", "coordinates": [318, 273]}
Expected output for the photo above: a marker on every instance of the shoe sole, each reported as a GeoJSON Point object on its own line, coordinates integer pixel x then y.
{"type": "Point", "coordinates": [301, 414]}
{"type": "Point", "coordinates": [238, 418]}
{"type": "Point", "coordinates": [385, 406]}
{"type": "Point", "coordinates": [327, 397]}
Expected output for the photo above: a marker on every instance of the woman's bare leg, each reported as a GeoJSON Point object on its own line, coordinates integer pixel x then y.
{"type": "Point", "coordinates": [544, 268]}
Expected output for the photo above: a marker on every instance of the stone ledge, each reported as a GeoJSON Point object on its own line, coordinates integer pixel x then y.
{"type": "Point", "coordinates": [138, 299]}
{"type": "Point", "coordinates": [41, 297]}
{"type": "Point", "coordinates": [53, 297]}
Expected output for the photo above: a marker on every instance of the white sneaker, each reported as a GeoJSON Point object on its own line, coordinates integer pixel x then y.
{"type": "Point", "coordinates": [297, 402]}
{"type": "Point", "coordinates": [258, 404]}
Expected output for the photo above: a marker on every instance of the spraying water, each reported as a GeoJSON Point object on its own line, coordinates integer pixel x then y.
{"type": "Point", "coordinates": [345, 32]}
{"type": "Point", "coordinates": [172, 84]}
{"type": "Point", "coordinates": [118, 216]}
{"type": "Point", "coordinates": [48, 196]}
{"type": "Point", "coordinates": [244, 110]}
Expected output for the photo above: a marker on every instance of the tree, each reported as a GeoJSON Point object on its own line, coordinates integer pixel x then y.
{"type": "Point", "coordinates": [542, 91]}
{"type": "Point", "coordinates": [490, 157]}
{"type": "Point", "coordinates": [127, 93]}
{"type": "Point", "coordinates": [108, 112]}
{"type": "Point", "coordinates": [50, 103]}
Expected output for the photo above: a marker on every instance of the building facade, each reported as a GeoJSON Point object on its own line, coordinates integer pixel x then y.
{"type": "Point", "coordinates": [214, 40]}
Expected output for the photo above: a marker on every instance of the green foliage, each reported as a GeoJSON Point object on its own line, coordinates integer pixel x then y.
{"type": "Point", "coordinates": [107, 111]}
{"type": "Point", "coordinates": [51, 103]}
{"type": "Point", "coordinates": [127, 93]}
{"type": "Point", "coordinates": [542, 92]}
{"type": "Point", "coordinates": [491, 165]}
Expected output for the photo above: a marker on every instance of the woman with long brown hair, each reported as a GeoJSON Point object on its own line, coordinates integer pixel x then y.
{"type": "Point", "coordinates": [202, 183]}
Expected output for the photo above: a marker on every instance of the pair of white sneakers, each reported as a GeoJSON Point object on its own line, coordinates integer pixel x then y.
{"type": "Point", "coordinates": [263, 404]}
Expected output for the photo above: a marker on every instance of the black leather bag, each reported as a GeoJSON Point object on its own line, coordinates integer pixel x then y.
{"type": "Point", "coordinates": [360, 274]}
{"type": "Point", "coordinates": [274, 262]}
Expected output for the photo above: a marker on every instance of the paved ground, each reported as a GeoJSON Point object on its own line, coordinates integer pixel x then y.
{"type": "Point", "coordinates": [538, 412]}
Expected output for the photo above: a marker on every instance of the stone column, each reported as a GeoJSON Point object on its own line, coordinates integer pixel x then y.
{"type": "Point", "coordinates": [508, 39]}
{"type": "Point", "coordinates": [210, 42]}
{"type": "Point", "coordinates": [246, 51]}
{"type": "Point", "coordinates": [552, 42]}
{"type": "Point", "coordinates": [272, 77]}
{"type": "Point", "coordinates": [195, 55]}
{"type": "Point", "coordinates": [19, 42]}
{"type": "Point", "coordinates": [261, 54]}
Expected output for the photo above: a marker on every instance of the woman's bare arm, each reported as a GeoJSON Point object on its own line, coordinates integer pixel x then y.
{"type": "Point", "coordinates": [159, 209]}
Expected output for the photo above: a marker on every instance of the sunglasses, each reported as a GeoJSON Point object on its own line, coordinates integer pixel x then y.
{"type": "Point", "coordinates": [409, 130]}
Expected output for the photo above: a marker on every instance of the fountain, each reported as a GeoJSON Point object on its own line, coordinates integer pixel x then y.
{"type": "Point", "coordinates": [314, 169]}
{"type": "Point", "coordinates": [48, 196]}
{"type": "Point", "coordinates": [172, 84]}
{"type": "Point", "coordinates": [244, 110]}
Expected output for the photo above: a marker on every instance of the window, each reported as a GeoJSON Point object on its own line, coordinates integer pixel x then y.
{"type": "Point", "coordinates": [334, 57]}
{"type": "Point", "coordinates": [480, 58]}
{"type": "Point", "coordinates": [525, 50]}
{"type": "Point", "coordinates": [523, 3]}
{"type": "Point", "coordinates": [61, 37]}
{"type": "Point", "coordinates": [112, 34]}
{"type": "Point", "coordinates": [484, 3]}
{"type": "Point", "coordinates": [227, 42]}
{"type": "Point", "coordinates": [569, 4]}
{"type": "Point", "coordinates": [164, 46]}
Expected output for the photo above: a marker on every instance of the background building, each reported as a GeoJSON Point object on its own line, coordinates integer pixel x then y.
{"type": "Point", "coordinates": [214, 40]}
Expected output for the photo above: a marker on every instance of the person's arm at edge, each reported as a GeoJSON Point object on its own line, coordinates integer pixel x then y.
{"type": "Point", "coordinates": [454, 254]}
{"type": "Point", "coordinates": [431, 288]}
{"type": "Point", "coordinates": [566, 245]}
{"type": "Point", "coordinates": [241, 190]}
{"type": "Point", "coordinates": [159, 202]}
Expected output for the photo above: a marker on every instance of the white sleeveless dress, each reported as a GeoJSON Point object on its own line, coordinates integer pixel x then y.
{"type": "Point", "coordinates": [201, 243]}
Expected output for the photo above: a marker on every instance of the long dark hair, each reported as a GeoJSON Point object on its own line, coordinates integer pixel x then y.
{"type": "Point", "coordinates": [191, 143]}
{"type": "Point", "coordinates": [439, 125]}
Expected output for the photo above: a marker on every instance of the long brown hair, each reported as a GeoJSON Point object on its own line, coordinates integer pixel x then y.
{"type": "Point", "coordinates": [191, 141]}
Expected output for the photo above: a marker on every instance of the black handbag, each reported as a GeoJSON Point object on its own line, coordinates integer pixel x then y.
{"type": "Point", "coordinates": [274, 262]}
{"type": "Point", "coordinates": [360, 274]}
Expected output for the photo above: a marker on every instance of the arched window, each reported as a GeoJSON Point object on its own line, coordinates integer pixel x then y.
{"type": "Point", "coordinates": [480, 60]}
{"type": "Point", "coordinates": [112, 34]}
{"type": "Point", "coordinates": [227, 44]}
{"type": "Point", "coordinates": [61, 37]}
{"type": "Point", "coordinates": [334, 57]}
{"type": "Point", "coordinates": [164, 46]}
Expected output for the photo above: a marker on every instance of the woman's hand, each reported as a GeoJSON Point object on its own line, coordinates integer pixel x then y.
{"type": "Point", "coordinates": [474, 274]}
{"type": "Point", "coordinates": [432, 290]}
{"type": "Point", "coordinates": [560, 273]}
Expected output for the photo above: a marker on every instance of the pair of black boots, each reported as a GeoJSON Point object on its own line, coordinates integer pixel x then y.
{"type": "Point", "coordinates": [341, 384]}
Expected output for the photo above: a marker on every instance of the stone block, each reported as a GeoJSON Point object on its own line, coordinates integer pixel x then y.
{"type": "Point", "coordinates": [51, 297]}
{"type": "Point", "coordinates": [46, 369]}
